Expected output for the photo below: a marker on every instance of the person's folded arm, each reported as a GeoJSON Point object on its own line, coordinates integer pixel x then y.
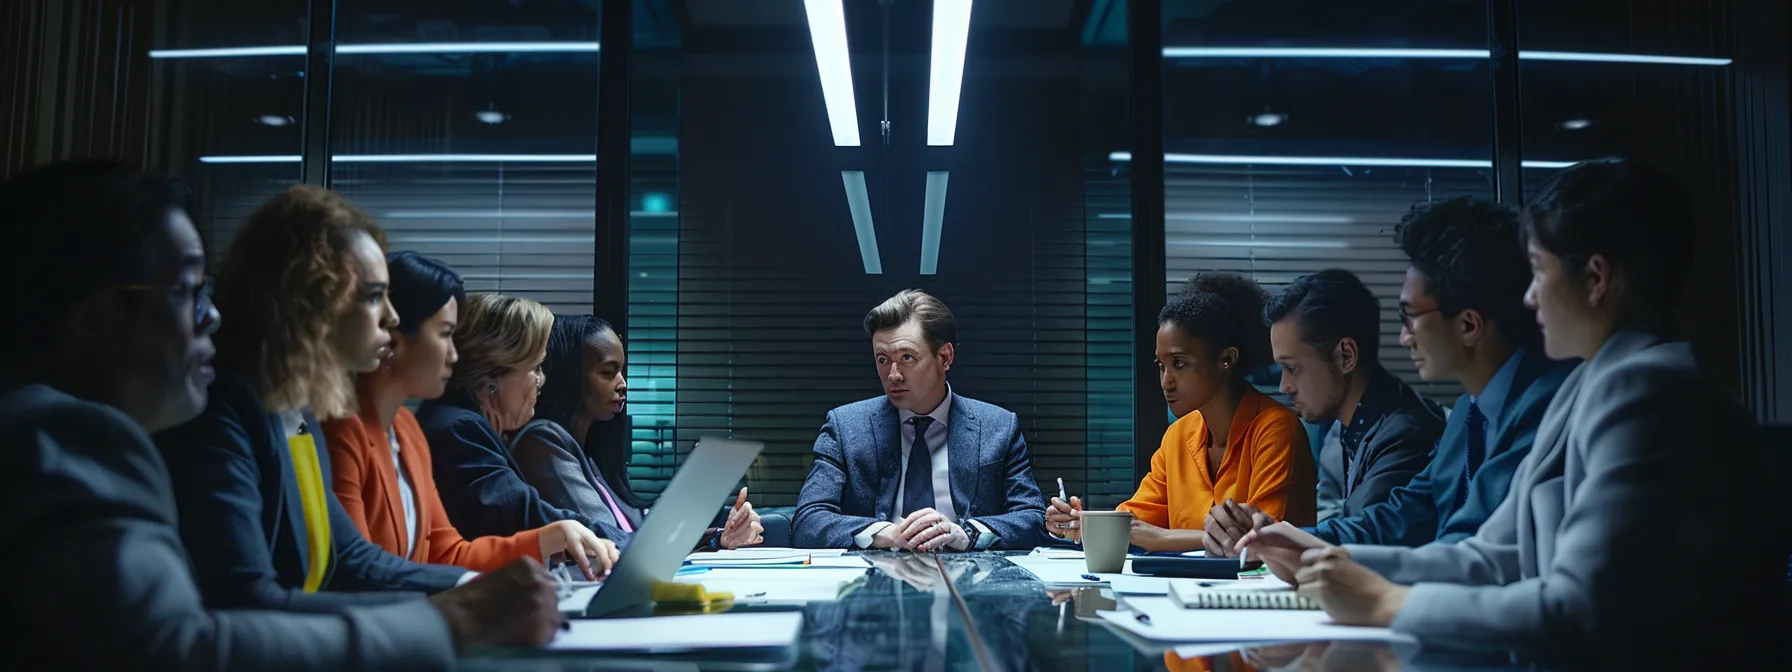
{"type": "Point", "coordinates": [819, 521]}
{"type": "Point", "coordinates": [148, 614]}
{"type": "Point", "coordinates": [483, 494]}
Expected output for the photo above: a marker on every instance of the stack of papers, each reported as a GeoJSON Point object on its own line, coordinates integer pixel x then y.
{"type": "Point", "coordinates": [1171, 623]}
{"type": "Point", "coordinates": [668, 634]}
{"type": "Point", "coordinates": [1077, 554]}
{"type": "Point", "coordinates": [776, 557]}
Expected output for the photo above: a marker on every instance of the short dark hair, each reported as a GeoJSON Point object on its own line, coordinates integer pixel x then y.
{"type": "Point", "coordinates": [1223, 310]}
{"type": "Point", "coordinates": [74, 228]}
{"type": "Point", "coordinates": [937, 325]}
{"type": "Point", "coordinates": [1330, 306]}
{"type": "Point", "coordinates": [1632, 213]}
{"type": "Point", "coordinates": [420, 286]}
{"type": "Point", "coordinates": [565, 367]}
{"type": "Point", "coordinates": [1470, 253]}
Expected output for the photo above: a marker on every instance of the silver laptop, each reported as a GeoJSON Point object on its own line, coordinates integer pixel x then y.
{"type": "Point", "coordinates": [678, 519]}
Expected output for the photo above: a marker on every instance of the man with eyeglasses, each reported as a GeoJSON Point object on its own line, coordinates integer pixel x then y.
{"type": "Point", "coordinates": [108, 339]}
{"type": "Point", "coordinates": [1463, 318]}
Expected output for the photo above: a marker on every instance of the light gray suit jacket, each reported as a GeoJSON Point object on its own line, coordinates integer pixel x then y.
{"type": "Point", "coordinates": [93, 574]}
{"type": "Point", "coordinates": [1624, 530]}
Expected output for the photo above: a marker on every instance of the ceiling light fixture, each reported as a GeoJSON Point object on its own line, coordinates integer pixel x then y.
{"type": "Point", "coordinates": [827, 32]}
{"type": "Point", "coordinates": [1267, 119]}
{"type": "Point", "coordinates": [492, 117]}
{"type": "Point", "coordinates": [951, 30]}
{"type": "Point", "coordinates": [1335, 52]}
{"type": "Point", "coordinates": [1574, 124]}
{"type": "Point", "coordinates": [1229, 159]}
{"type": "Point", "coordinates": [274, 120]}
{"type": "Point", "coordinates": [858, 203]}
{"type": "Point", "coordinates": [933, 217]}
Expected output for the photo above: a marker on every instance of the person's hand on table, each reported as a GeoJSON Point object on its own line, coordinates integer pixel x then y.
{"type": "Point", "coordinates": [927, 531]}
{"type": "Point", "coordinates": [514, 606]}
{"type": "Point", "coordinates": [1350, 593]}
{"type": "Point", "coordinates": [594, 555]}
{"type": "Point", "coordinates": [1227, 522]}
{"type": "Point", "coordinates": [743, 527]}
{"type": "Point", "coordinates": [1147, 536]}
{"type": "Point", "coordinates": [1280, 546]}
{"type": "Point", "coordinates": [1064, 519]}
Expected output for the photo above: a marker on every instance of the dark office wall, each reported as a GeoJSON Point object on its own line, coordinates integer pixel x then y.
{"type": "Point", "coordinates": [76, 80]}
{"type": "Point", "coordinates": [772, 288]}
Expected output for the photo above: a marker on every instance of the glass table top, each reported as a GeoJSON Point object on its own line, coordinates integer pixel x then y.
{"type": "Point", "coordinates": [983, 612]}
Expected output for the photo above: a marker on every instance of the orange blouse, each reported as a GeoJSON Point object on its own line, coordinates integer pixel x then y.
{"type": "Point", "coordinates": [1262, 466]}
{"type": "Point", "coordinates": [366, 482]}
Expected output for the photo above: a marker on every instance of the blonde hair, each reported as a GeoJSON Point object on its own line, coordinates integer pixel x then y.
{"type": "Point", "coordinates": [282, 287]}
{"type": "Point", "coordinates": [497, 334]}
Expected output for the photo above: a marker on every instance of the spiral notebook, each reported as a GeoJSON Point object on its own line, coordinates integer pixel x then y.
{"type": "Point", "coordinates": [1243, 594]}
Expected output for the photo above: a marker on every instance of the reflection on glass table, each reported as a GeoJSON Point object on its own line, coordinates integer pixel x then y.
{"type": "Point", "coordinates": [908, 614]}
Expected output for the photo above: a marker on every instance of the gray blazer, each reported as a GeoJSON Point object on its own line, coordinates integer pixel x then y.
{"type": "Point", "coordinates": [95, 576]}
{"type": "Point", "coordinates": [1641, 483]}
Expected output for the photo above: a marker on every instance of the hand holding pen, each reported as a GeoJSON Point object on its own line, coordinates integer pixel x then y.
{"type": "Point", "coordinates": [1063, 517]}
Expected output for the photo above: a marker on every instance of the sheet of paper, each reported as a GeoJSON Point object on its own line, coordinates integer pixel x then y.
{"type": "Point", "coordinates": [664, 634]}
{"type": "Point", "coordinates": [1072, 572]}
{"type": "Point", "coordinates": [776, 557]}
{"type": "Point", "coordinates": [1077, 554]}
{"type": "Point", "coordinates": [754, 592]}
{"type": "Point", "coordinates": [1204, 650]}
{"type": "Point", "coordinates": [836, 575]}
{"type": "Point", "coordinates": [1173, 623]}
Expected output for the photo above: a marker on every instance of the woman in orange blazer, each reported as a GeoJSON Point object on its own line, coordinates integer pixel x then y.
{"type": "Point", "coordinates": [381, 461]}
{"type": "Point", "coordinates": [1230, 443]}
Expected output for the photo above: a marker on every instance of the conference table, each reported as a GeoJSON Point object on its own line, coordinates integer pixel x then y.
{"type": "Point", "coordinates": [979, 611]}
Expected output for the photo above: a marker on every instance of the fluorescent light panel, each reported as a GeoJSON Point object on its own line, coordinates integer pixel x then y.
{"type": "Point", "coordinates": [1232, 159]}
{"type": "Point", "coordinates": [858, 201]}
{"type": "Point", "coordinates": [1619, 58]}
{"type": "Point", "coordinates": [827, 32]}
{"type": "Point", "coordinates": [397, 48]}
{"type": "Point", "coordinates": [1323, 52]}
{"type": "Point", "coordinates": [469, 48]}
{"type": "Point", "coordinates": [413, 158]}
{"type": "Point", "coordinates": [1333, 52]}
{"type": "Point", "coordinates": [933, 218]}
{"type": "Point", "coordinates": [951, 30]}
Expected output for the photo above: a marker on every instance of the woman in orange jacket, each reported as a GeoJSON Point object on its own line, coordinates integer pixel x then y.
{"type": "Point", "coordinates": [1230, 442]}
{"type": "Point", "coordinates": [381, 461]}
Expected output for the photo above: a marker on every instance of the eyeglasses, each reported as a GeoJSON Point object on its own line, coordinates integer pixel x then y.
{"type": "Point", "coordinates": [205, 315]}
{"type": "Point", "coordinates": [1407, 318]}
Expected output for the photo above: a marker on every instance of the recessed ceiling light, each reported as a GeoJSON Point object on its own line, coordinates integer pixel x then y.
{"type": "Point", "coordinates": [1575, 124]}
{"type": "Point", "coordinates": [1267, 119]}
{"type": "Point", "coordinates": [274, 120]}
{"type": "Point", "coordinates": [492, 117]}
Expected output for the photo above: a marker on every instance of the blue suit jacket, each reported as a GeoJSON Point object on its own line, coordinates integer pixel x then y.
{"type": "Point", "coordinates": [857, 465]}
{"type": "Point", "coordinates": [1425, 508]}
{"type": "Point", "coordinates": [481, 484]}
{"type": "Point", "coordinates": [244, 527]}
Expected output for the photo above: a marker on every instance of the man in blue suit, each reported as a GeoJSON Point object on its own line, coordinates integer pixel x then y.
{"type": "Point", "coordinates": [1463, 314]}
{"type": "Point", "coordinates": [919, 468]}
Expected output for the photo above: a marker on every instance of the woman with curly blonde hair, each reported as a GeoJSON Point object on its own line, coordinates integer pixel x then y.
{"type": "Point", "coordinates": [502, 341]}
{"type": "Point", "coordinates": [305, 285]}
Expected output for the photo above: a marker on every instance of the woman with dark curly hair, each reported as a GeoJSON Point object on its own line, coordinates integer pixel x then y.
{"type": "Point", "coordinates": [305, 285]}
{"type": "Point", "coordinates": [1230, 443]}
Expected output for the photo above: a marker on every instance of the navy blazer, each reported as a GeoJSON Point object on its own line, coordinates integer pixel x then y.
{"type": "Point", "coordinates": [1425, 510]}
{"type": "Point", "coordinates": [242, 521]}
{"type": "Point", "coordinates": [481, 485]}
{"type": "Point", "coordinates": [853, 482]}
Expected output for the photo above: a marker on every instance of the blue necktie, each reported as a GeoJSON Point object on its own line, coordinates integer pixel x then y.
{"type": "Point", "coordinates": [1474, 449]}
{"type": "Point", "coordinates": [917, 480]}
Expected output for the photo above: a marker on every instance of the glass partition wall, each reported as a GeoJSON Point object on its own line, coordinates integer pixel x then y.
{"type": "Point", "coordinates": [789, 164]}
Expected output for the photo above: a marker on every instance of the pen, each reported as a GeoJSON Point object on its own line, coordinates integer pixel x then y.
{"type": "Point", "coordinates": [1241, 553]}
{"type": "Point", "coordinates": [1062, 495]}
{"type": "Point", "coordinates": [1091, 577]}
{"type": "Point", "coordinates": [1143, 618]}
{"type": "Point", "coordinates": [753, 595]}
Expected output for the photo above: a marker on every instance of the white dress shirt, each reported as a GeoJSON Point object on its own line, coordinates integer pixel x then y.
{"type": "Point", "coordinates": [407, 495]}
{"type": "Point", "coordinates": [937, 434]}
